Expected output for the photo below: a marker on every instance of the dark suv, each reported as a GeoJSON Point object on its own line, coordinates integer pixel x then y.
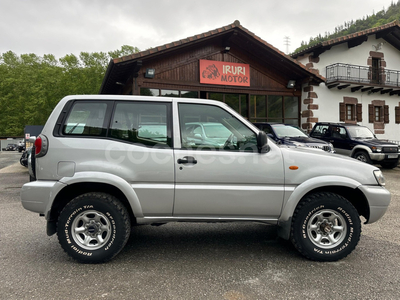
{"type": "Point", "coordinates": [358, 142]}
{"type": "Point", "coordinates": [291, 135]}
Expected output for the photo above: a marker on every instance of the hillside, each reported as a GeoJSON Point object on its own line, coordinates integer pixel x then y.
{"type": "Point", "coordinates": [376, 19]}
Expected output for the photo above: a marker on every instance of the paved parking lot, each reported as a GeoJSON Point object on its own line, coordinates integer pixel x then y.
{"type": "Point", "coordinates": [191, 261]}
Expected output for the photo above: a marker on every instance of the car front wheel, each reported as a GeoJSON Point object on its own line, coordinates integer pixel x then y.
{"type": "Point", "coordinates": [93, 227]}
{"type": "Point", "coordinates": [325, 227]}
{"type": "Point", "coordinates": [362, 156]}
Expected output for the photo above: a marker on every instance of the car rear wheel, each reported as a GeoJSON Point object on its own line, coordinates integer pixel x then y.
{"type": "Point", "coordinates": [93, 227]}
{"type": "Point", "coordinates": [325, 227]}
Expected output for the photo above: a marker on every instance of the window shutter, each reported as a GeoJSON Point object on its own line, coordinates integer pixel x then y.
{"type": "Point", "coordinates": [359, 112]}
{"type": "Point", "coordinates": [386, 114]}
{"type": "Point", "coordinates": [370, 113]}
{"type": "Point", "coordinates": [342, 112]}
{"type": "Point", "coordinates": [397, 111]}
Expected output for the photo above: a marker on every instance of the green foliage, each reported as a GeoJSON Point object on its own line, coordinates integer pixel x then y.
{"type": "Point", "coordinates": [31, 86]}
{"type": "Point", "coordinates": [375, 20]}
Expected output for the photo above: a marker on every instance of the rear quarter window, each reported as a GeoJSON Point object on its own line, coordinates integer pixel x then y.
{"type": "Point", "coordinates": [86, 119]}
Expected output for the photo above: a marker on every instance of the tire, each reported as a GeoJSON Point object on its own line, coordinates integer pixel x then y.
{"type": "Point", "coordinates": [325, 227]}
{"type": "Point", "coordinates": [93, 228]}
{"type": "Point", "coordinates": [362, 156]}
{"type": "Point", "coordinates": [390, 165]}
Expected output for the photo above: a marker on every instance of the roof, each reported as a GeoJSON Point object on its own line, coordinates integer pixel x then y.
{"type": "Point", "coordinates": [390, 32]}
{"type": "Point", "coordinates": [120, 68]}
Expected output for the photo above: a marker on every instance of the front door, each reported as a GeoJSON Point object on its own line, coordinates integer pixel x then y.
{"type": "Point", "coordinates": [218, 170]}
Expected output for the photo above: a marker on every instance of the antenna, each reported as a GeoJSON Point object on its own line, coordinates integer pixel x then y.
{"type": "Point", "coordinates": [286, 42]}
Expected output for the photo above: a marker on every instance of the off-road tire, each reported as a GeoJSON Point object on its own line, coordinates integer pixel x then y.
{"type": "Point", "coordinates": [363, 156]}
{"type": "Point", "coordinates": [325, 227]}
{"type": "Point", "coordinates": [93, 227]}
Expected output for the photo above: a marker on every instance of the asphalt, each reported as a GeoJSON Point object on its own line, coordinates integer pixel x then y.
{"type": "Point", "coordinates": [237, 261]}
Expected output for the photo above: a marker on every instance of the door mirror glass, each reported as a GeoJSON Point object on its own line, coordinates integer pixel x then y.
{"type": "Point", "coordinates": [262, 142]}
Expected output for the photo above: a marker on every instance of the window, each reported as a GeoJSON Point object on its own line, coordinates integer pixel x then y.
{"type": "Point", "coordinates": [86, 118]}
{"type": "Point", "coordinates": [397, 114]}
{"type": "Point", "coordinates": [350, 112]}
{"type": "Point", "coordinates": [236, 101]}
{"type": "Point", "coordinates": [376, 67]}
{"type": "Point", "coordinates": [273, 108]}
{"type": "Point", "coordinates": [207, 127]}
{"type": "Point", "coordinates": [377, 113]}
{"type": "Point", "coordinates": [321, 131]}
{"type": "Point", "coordinates": [140, 122]}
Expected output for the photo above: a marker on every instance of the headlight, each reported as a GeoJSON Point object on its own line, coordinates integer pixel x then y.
{"type": "Point", "coordinates": [376, 149]}
{"type": "Point", "coordinates": [379, 177]}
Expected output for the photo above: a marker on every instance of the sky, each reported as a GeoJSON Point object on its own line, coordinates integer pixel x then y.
{"type": "Point", "coordinates": [74, 26]}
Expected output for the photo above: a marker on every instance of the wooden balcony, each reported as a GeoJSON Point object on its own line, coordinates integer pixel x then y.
{"type": "Point", "coordinates": [363, 78]}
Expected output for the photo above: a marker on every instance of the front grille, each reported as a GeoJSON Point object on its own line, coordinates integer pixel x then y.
{"type": "Point", "coordinates": [390, 149]}
{"type": "Point", "coordinates": [325, 148]}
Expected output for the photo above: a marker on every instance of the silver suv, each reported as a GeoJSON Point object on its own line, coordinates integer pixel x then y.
{"type": "Point", "coordinates": [103, 164]}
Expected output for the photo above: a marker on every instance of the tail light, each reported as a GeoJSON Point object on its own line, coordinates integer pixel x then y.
{"type": "Point", "coordinates": [41, 146]}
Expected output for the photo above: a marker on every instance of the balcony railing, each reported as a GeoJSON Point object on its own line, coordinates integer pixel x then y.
{"type": "Point", "coordinates": [362, 75]}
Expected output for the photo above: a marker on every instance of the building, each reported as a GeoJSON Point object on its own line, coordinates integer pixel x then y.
{"type": "Point", "coordinates": [230, 64]}
{"type": "Point", "coordinates": [362, 72]}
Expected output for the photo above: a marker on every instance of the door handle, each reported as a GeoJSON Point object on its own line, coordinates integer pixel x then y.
{"type": "Point", "coordinates": [187, 160]}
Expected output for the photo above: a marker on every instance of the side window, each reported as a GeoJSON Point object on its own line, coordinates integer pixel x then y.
{"type": "Point", "coordinates": [86, 119]}
{"type": "Point", "coordinates": [208, 127]}
{"type": "Point", "coordinates": [140, 122]}
{"type": "Point", "coordinates": [321, 131]}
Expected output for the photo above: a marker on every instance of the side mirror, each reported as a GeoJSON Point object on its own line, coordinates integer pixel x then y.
{"type": "Point", "coordinates": [262, 142]}
{"type": "Point", "coordinates": [32, 139]}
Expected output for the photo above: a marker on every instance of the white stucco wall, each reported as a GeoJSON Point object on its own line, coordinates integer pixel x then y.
{"type": "Point", "coordinates": [328, 99]}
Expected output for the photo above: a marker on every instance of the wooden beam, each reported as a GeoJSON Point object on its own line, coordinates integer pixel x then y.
{"type": "Point", "coordinates": [375, 90]}
{"type": "Point", "coordinates": [356, 88]}
{"type": "Point", "coordinates": [386, 91]}
{"type": "Point", "coordinates": [397, 92]}
{"type": "Point", "coordinates": [331, 86]}
{"type": "Point", "coordinates": [357, 41]}
{"type": "Point", "coordinates": [341, 87]}
{"type": "Point", "coordinates": [367, 89]}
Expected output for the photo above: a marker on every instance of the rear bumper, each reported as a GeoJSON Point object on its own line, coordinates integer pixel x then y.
{"type": "Point", "coordinates": [38, 196]}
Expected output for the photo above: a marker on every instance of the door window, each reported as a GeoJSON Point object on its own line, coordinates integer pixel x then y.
{"type": "Point", "coordinates": [208, 127]}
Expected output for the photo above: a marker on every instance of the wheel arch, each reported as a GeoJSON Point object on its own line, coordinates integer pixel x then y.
{"type": "Point", "coordinates": [345, 187]}
{"type": "Point", "coordinates": [73, 190]}
{"type": "Point", "coordinates": [358, 148]}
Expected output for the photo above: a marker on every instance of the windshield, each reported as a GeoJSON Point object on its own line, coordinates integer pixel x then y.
{"type": "Point", "coordinates": [288, 131]}
{"type": "Point", "coordinates": [358, 132]}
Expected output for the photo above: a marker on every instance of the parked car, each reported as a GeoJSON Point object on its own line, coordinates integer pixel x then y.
{"type": "Point", "coordinates": [205, 133]}
{"type": "Point", "coordinates": [93, 186]}
{"type": "Point", "coordinates": [11, 147]}
{"type": "Point", "coordinates": [293, 136]}
{"type": "Point", "coordinates": [25, 156]}
{"type": "Point", "coordinates": [21, 146]}
{"type": "Point", "coordinates": [358, 142]}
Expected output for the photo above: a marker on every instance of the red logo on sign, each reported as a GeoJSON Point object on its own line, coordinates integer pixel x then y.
{"type": "Point", "coordinates": [224, 73]}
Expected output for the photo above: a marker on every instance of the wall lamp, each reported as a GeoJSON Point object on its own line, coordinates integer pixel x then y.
{"type": "Point", "coordinates": [149, 73]}
{"type": "Point", "coordinates": [291, 84]}
{"type": "Point", "coordinates": [227, 49]}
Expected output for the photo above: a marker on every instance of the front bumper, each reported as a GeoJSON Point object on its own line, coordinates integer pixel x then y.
{"type": "Point", "coordinates": [383, 156]}
{"type": "Point", "coordinates": [378, 199]}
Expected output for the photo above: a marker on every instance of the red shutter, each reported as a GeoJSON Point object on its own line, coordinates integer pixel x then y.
{"type": "Point", "coordinates": [386, 114]}
{"type": "Point", "coordinates": [342, 112]}
{"type": "Point", "coordinates": [370, 113]}
{"type": "Point", "coordinates": [359, 112]}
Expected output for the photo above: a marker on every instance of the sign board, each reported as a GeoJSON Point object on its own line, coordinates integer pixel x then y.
{"type": "Point", "coordinates": [224, 73]}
